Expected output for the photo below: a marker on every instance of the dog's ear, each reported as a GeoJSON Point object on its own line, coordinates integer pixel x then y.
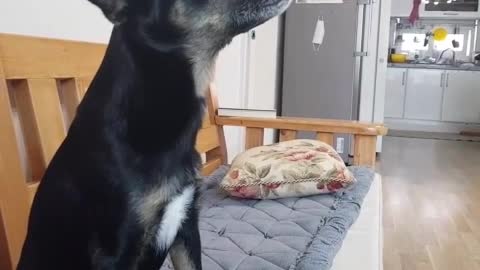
{"type": "Point", "coordinates": [114, 10]}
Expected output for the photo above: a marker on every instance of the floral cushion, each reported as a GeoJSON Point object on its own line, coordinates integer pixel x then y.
{"type": "Point", "coordinates": [288, 169]}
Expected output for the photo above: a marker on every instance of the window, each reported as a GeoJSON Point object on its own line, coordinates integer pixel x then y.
{"type": "Point", "coordinates": [447, 43]}
{"type": "Point", "coordinates": [414, 42]}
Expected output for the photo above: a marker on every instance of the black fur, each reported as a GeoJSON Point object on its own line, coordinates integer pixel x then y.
{"type": "Point", "coordinates": [134, 132]}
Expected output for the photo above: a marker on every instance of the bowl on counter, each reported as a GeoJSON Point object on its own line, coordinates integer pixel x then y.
{"type": "Point", "coordinates": [398, 58]}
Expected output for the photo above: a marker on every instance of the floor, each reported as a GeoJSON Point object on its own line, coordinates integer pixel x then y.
{"type": "Point", "coordinates": [433, 135]}
{"type": "Point", "coordinates": [431, 204]}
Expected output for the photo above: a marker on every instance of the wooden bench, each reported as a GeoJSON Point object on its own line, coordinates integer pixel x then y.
{"type": "Point", "coordinates": [41, 83]}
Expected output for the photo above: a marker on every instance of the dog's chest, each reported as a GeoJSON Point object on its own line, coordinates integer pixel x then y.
{"type": "Point", "coordinates": [175, 210]}
{"type": "Point", "coordinates": [176, 213]}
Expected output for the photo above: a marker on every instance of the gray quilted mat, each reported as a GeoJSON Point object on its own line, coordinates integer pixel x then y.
{"type": "Point", "coordinates": [293, 233]}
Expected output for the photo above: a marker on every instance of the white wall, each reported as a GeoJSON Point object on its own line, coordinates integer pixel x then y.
{"type": "Point", "coordinates": [63, 19]}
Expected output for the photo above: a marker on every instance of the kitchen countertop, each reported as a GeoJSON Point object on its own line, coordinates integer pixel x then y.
{"type": "Point", "coordinates": [434, 66]}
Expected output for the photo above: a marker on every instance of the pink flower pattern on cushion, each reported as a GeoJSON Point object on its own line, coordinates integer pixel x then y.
{"type": "Point", "coordinates": [273, 186]}
{"type": "Point", "coordinates": [245, 192]}
{"type": "Point", "coordinates": [301, 155]}
{"type": "Point", "coordinates": [234, 174]}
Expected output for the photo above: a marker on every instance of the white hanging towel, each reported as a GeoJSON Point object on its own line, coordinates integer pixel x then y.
{"type": "Point", "coordinates": [319, 34]}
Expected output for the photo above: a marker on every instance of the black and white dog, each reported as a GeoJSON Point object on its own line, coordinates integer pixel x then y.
{"type": "Point", "coordinates": [121, 191]}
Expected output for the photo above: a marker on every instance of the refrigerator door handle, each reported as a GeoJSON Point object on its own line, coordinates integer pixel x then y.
{"type": "Point", "coordinates": [360, 54]}
{"type": "Point", "coordinates": [367, 26]}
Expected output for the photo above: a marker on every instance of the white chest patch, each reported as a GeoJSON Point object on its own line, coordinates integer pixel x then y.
{"type": "Point", "coordinates": [175, 214]}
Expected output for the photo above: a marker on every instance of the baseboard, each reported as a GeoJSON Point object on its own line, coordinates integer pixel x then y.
{"type": "Point", "coordinates": [430, 126]}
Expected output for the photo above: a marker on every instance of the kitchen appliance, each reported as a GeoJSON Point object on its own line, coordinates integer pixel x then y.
{"type": "Point", "coordinates": [449, 8]}
{"type": "Point", "coordinates": [325, 81]}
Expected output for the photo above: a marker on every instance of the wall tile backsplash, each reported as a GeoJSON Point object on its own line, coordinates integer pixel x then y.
{"type": "Point", "coordinates": [418, 42]}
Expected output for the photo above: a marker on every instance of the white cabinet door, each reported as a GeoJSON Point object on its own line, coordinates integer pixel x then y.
{"type": "Point", "coordinates": [461, 102]}
{"type": "Point", "coordinates": [401, 8]}
{"type": "Point", "coordinates": [424, 94]}
{"type": "Point", "coordinates": [395, 92]}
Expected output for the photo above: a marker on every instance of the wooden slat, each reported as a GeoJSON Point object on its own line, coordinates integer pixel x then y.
{"type": "Point", "coordinates": [36, 163]}
{"type": "Point", "coordinates": [212, 111]}
{"type": "Point", "coordinates": [325, 137]}
{"type": "Point", "coordinates": [47, 119]}
{"type": "Point", "coordinates": [71, 95]}
{"type": "Point", "coordinates": [82, 85]}
{"type": "Point", "coordinates": [254, 137]}
{"type": "Point", "coordinates": [48, 115]}
{"type": "Point", "coordinates": [305, 124]}
{"type": "Point", "coordinates": [206, 122]}
{"type": "Point", "coordinates": [5, 262]}
{"type": "Point", "coordinates": [32, 190]}
{"type": "Point", "coordinates": [365, 150]}
{"type": "Point", "coordinates": [287, 135]}
{"type": "Point", "coordinates": [214, 153]}
{"type": "Point", "coordinates": [29, 57]}
{"type": "Point", "coordinates": [211, 166]}
{"type": "Point", "coordinates": [14, 202]}
{"type": "Point", "coordinates": [207, 139]}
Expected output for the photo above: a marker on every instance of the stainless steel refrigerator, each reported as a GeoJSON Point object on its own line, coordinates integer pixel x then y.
{"type": "Point", "coordinates": [324, 81]}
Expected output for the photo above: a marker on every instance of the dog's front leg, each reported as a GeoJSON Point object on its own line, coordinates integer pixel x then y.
{"type": "Point", "coordinates": [186, 252]}
{"type": "Point", "coordinates": [152, 259]}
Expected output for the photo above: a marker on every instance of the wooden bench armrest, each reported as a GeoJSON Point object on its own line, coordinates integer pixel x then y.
{"type": "Point", "coordinates": [305, 124]}
{"type": "Point", "coordinates": [365, 134]}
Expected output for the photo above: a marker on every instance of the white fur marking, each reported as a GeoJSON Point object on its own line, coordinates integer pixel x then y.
{"type": "Point", "coordinates": [174, 216]}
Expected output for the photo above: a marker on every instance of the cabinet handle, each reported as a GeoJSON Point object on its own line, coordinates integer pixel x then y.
{"type": "Point", "coordinates": [448, 79]}
{"type": "Point", "coordinates": [403, 78]}
{"type": "Point", "coordinates": [442, 79]}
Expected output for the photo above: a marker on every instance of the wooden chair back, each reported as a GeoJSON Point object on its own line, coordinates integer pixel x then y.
{"type": "Point", "coordinates": [42, 81]}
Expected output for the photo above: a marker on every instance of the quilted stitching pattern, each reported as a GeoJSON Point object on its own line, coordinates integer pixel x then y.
{"type": "Point", "coordinates": [267, 234]}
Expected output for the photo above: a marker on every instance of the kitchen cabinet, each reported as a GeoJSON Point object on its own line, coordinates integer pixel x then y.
{"type": "Point", "coordinates": [424, 94]}
{"type": "Point", "coordinates": [401, 8]}
{"type": "Point", "coordinates": [461, 102]}
{"type": "Point", "coordinates": [438, 9]}
{"type": "Point", "coordinates": [395, 92]}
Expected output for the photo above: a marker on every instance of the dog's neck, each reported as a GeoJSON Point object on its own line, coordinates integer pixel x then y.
{"type": "Point", "coordinates": [160, 93]}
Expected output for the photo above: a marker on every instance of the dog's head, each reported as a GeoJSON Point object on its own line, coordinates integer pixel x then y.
{"type": "Point", "coordinates": [199, 22]}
